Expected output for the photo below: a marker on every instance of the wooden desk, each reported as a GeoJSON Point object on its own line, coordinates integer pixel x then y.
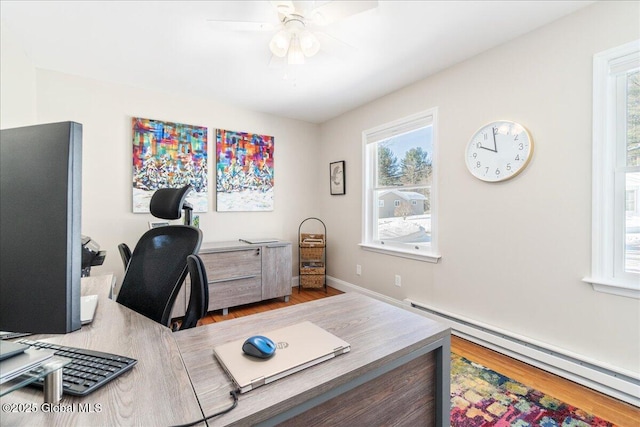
{"type": "Point", "coordinates": [397, 372]}
{"type": "Point", "coordinates": [156, 392]}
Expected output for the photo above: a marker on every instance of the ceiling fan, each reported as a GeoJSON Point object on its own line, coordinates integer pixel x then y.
{"type": "Point", "coordinates": [297, 25]}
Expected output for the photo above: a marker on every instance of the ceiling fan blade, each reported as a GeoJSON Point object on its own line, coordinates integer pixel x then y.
{"type": "Point", "coordinates": [333, 11]}
{"type": "Point", "coordinates": [219, 25]}
{"type": "Point", "coordinates": [283, 7]}
{"type": "Point", "coordinates": [305, 7]}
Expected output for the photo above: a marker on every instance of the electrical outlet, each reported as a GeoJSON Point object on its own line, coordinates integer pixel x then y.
{"type": "Point", "coordinates": [398, 280]}
{"type": "Point", "coordinates": [358, 270]}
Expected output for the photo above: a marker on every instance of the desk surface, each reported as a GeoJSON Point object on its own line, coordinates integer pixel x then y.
{"type": "Point", "coordinates": [379, 334]}
{"type": "Point", "coordinates": [157, 391]}
{"type": "Point", "coordinates": [177, 373]}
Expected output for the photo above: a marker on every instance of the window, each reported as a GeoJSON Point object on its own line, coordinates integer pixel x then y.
{"type": "Point", "coordinates": [616, 171]}
{"type": "Point", "coordinates": [399, 210]}
{"type": "Point", "coordinates": [631, 201]}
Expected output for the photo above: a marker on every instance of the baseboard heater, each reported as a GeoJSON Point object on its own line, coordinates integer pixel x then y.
{"type": "Point", "coordinates": [622, 385]}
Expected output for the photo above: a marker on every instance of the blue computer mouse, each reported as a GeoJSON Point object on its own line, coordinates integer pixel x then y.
{"type": "Point", "coordinates": [259, 346]}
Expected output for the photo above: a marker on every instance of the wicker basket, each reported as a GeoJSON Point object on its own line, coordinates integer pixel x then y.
{"type": "Point", "coordinates": [311, 268]}
{"type": "Point", "coordinates": [309, 240]}
{"type": "Point", "coordinates": [311, 253]}
{"type": "Point", "coordinates": [312, 280]}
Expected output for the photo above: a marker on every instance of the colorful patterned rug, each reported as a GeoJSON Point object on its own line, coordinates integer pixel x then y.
{"type": "Point", "coordinates": [482, 397]}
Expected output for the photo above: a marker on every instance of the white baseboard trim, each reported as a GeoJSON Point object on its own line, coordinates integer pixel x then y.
{"type": "Point", "coordinates": [610, 380]}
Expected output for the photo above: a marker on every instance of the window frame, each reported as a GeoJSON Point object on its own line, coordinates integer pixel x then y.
{"type": "Point", "coordinates": [428, 253]}
{"type": "Point", "coordinates": [608, 189]}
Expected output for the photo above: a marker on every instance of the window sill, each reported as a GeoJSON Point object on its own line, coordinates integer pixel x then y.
{"type": "Point", "coordinates": [425, 257]}
{"type": "Point", "coordinates": [611, 287]}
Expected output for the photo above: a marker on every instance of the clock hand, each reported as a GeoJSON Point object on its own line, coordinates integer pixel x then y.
{"type": "Point", "coordinates": [488, 149]}
{"type": "Point", "coordinates": [495, 145]}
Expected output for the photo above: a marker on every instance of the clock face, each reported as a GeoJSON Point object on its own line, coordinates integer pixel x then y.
{"type": "Point", "coordinates": [499, 151]}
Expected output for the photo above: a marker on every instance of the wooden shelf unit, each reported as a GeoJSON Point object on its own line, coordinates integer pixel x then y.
{"type": "Point", "coordinates": [312, 256]}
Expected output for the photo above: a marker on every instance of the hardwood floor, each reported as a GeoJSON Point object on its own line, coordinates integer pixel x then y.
{"type": "Point", "coordinates": [305, 295]}
{"type": "Point", "coordinates": [605, 407]}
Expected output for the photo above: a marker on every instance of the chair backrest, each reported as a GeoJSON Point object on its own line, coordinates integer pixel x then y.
{"type": "Point", "coordinates": [157, 269]}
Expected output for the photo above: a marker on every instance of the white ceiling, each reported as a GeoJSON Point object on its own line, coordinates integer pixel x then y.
{"type": "Point", "coordinates": [172, 46]}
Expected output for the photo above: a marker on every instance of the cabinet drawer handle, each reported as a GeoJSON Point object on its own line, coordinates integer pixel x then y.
{"type": "Point", "coordinates": [230, 279]}
{"type": "Point", "coordinates": [226, 251]}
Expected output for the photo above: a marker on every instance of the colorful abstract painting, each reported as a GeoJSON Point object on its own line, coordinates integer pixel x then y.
{"type": "Point", "coordinates": [169, 155]}
{"type": "Point", "coordinates": [481, 397]}
{"type": "Point", "coordinates": [244, 171]}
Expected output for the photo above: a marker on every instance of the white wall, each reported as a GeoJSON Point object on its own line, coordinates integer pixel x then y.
{"type": "Point", "coordinates": [17, 80]}
{"type": "Point", "coordinates": [514, 253]}
{"type": "Point", "coordinates": [105, 111]}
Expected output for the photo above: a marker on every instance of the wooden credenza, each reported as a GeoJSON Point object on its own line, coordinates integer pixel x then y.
{"type": "Point", "coordinates": [241, 273]}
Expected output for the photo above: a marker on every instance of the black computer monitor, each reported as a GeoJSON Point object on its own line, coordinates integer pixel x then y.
{"type": "Point", "coordinates": [40, 228]}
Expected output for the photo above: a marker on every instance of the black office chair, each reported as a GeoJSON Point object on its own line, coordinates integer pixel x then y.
{"type": "Point", "coordinates": [157, 267]}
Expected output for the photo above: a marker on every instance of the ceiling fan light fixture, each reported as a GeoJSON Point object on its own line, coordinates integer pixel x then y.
{"type": "Point", "coordinates": [309, 43]}
{"type": "Point", "coordinates": [295, 55]}
{"type": "Point", "coordinates": [279, 44]}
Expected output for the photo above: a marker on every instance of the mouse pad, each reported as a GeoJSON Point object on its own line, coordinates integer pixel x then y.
{"type": "Point", "coordinates": [298, 347]}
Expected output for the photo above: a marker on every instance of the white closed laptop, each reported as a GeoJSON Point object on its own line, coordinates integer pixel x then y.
{"type": "Point", "coordinates": [88, 306]}
{"type": "Point", "coordinates": [298, 347]}
{"type": "Point", "coordinates": [259, 241]}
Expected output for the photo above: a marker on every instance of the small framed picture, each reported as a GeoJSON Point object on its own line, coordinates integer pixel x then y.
{"type": "Point", "coordinates": [336, 178]}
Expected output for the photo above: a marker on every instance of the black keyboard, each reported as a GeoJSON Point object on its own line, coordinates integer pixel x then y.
{"type": "Point", "coordinates": [89, 369]}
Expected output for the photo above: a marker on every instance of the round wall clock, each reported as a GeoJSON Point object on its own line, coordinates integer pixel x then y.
{"type": "Point", "coordinates": [499, 151]}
